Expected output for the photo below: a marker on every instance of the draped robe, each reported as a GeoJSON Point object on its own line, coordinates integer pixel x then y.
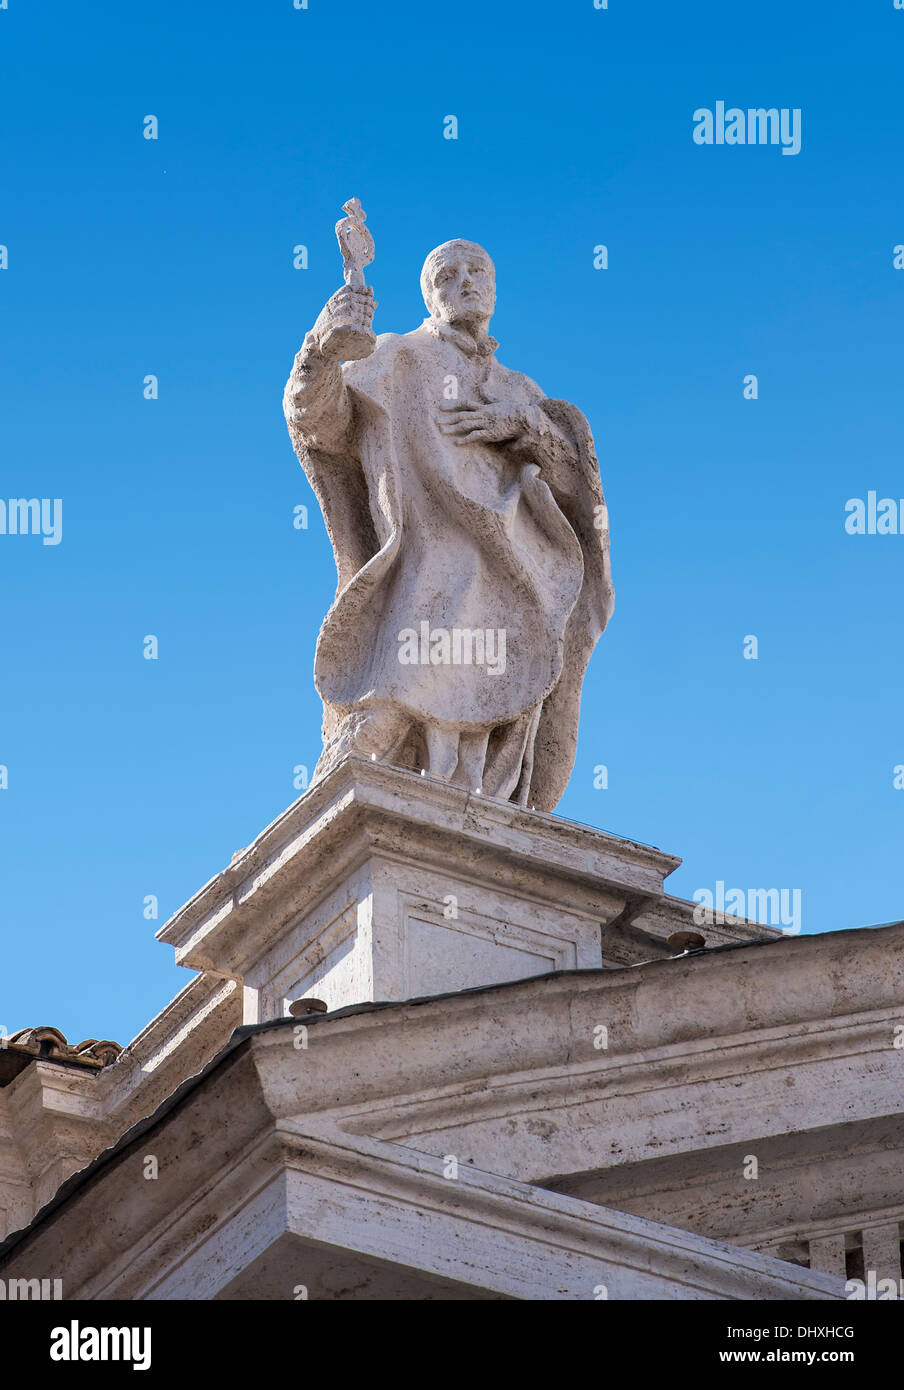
{"type": "Point", "coordinates": [458, 536]}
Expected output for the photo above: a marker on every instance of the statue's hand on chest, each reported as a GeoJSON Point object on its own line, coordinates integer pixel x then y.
{"type": "Point", "coordinates": [484, 421]}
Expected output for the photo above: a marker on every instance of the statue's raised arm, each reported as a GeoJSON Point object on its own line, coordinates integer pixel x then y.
{"type": "Point", "coordinates": [315, 401]}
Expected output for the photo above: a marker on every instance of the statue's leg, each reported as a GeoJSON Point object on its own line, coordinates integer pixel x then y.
{"type": "Point", "coordinates": [472, 756]}
{"type": "Point", "coordinates": [442, 751]}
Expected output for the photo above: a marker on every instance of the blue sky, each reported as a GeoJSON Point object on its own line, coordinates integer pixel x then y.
{"type": "Point", "coordinates": [129, 257]}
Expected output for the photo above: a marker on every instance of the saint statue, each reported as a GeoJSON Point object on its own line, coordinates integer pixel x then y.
{"type": "Point", "coordinates": [467, 520]}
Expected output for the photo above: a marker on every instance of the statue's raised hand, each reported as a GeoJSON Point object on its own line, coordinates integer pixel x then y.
{"type": "Point", "coordinates": [343, 330]}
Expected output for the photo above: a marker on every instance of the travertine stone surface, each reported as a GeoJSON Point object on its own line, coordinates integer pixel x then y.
{"type": "Point", "coordinates": [55, 1118]}
{"type": "Point", "coordinates": [380, 884]}
{"type": "Point", "coordinates": [377, 883]}
{"type": "Point", "coordinates": [253, 1202]}
{"type": "Point", "coordinates": [470, 533]}
{"type": "Point", "coordinates": [323, 1162]}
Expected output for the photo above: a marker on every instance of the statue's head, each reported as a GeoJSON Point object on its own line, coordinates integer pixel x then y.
{"type": "Point", "coordinates": [458, 283]}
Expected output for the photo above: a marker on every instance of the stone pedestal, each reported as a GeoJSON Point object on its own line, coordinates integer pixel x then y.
{"type": "Point", "coordinates": [378, 884]}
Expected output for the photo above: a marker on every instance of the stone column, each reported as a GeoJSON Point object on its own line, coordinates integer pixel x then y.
{"type": "Point", "coordinates": [827, 1255]}
{"type": "Point", "coordinates": [882, 1251]}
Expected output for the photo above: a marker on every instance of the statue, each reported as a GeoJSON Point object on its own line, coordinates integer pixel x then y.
{"type": "Point", "coordinates": [470, 533]}
{"type": "Point", "coordinates": [350, 341]}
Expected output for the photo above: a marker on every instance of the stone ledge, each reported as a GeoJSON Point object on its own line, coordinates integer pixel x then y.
{"type": "Point", "coordinates": [361, 792]}
{"type": "Point", "coordinates": [238, 1178]}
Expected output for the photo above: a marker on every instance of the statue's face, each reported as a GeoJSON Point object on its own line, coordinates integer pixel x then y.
{"type": "Point", "coordinates": [464, 287]}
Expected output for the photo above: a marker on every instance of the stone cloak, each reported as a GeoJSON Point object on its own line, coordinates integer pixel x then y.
{"type": "Point", "coordinates": [403, 498]}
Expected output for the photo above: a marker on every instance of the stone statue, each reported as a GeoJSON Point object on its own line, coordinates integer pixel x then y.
{"type": "Point", "coordinates": [470, 533]}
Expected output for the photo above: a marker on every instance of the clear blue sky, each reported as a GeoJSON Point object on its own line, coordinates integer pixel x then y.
{"type": "Point", "coordinates": [128, 257]}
